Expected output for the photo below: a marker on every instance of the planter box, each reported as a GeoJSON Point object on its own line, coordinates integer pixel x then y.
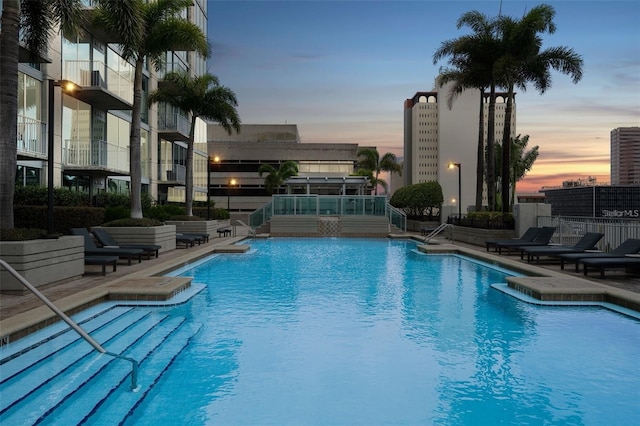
{"type": "Point", "coordinates": [41, 262]}
{"type": "Point", "coordinates": [478, 236]}
{"type": "Point", "coordinates": [195, 226]}
{"type": "Point", "coordinates": [164, 236]}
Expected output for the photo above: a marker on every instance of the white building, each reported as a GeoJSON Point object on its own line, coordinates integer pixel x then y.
{"type": "Point", "coordinates": [436, 135]}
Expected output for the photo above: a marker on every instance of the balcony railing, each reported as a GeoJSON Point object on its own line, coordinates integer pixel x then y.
{"type": "Point", "coordinates": [171, 67]}
{"type": "Point", "coordinates": [98, 74]}
{"type": "Point", "coordinates": [174, 122]}
{"type": "Point", "coordinates": [178, 174]}
{"type": "Point", "coordinates": [31, 137]}
{"type": "Point", "coordinates": [98, 153]}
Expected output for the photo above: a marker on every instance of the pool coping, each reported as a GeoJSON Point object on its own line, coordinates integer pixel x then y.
{"type": "Point", "coordinates": [544, 284]}
{"type": "Point", "coordinates": [146, 285]}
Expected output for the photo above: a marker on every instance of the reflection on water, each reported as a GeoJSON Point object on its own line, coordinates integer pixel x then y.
{"type": "Point", "coordinates": [350, 331]}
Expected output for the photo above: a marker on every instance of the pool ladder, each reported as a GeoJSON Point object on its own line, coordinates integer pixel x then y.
{"type": "Point", "coordinates": [74, 325]}
{"type": "Point", "coordinates": [440, 229]}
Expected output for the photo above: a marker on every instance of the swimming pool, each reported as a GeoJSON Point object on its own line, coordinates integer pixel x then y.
{"type": "Point", "coordinates": [364, 331]}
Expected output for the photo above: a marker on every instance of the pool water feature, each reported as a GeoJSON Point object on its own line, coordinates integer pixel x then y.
{"type": "Point", "coordinates": [347, 331]}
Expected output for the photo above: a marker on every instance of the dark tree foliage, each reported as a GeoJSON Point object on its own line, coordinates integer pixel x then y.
{"type": "Point", "coordinates": [420, 199]}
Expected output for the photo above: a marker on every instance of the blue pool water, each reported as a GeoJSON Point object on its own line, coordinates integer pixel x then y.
{"type": "Point", "coordinates": [342, 332]}
{"type": "Point", "coordinates": [348, 331]}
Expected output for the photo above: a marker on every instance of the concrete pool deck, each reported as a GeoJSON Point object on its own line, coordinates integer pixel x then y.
{"type": "Point", "coordinates": [24, 314]}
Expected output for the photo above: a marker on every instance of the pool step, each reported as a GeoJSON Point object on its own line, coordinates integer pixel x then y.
{"type": "Point", "coordinates": [71, 385]}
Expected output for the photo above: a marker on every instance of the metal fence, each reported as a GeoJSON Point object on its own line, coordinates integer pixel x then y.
{"type": "Point", "coordinates": [569, 229]}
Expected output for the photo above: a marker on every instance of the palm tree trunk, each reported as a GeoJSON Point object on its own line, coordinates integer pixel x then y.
{"type": "Point", "coordinates": [480, 155]}
{"type": "Point", "coordinates": [9, 42]}
{"type": "Point", "coordinates": [506, 152]}
{"type": "Point", "coordinates": [188, 196]}
{"type": "Point", "coordinates": [135, 168]}
{"type": "Point", "coordinates": [491, 136]}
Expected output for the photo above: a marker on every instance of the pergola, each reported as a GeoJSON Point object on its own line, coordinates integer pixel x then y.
{"type": "Point", "coordinates": [325, 185]}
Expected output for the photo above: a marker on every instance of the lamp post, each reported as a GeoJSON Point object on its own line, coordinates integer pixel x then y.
{"type": "Point", "coordinates": [229, 183]}
{"type": "Point", "coordinates": [69, 87]}
{"type": "Point", "coordinates": [459, 166]}
{"type": "Point", "coordinates": [214, 160]}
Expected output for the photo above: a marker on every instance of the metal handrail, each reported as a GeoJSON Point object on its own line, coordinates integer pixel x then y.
{"type": "Point", "coordinates": [249, 229]}
{"type": "Point", "coordinates": [438, 230]}
{"type": "Point", "coordinates": [73, 325]}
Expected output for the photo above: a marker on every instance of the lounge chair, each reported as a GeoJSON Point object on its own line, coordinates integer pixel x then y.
{"type": "Point", "coordinates": [199, 238]}
{"type": "Point", "coordinates": [529, 235]}
{"type": "Point", "coordinates": [90, 248]}
{"type": "Point", "coordinates": [587, 242]}
{"type": "Point", "coordinates": [104, 237]}
{"type": "Point", "coordinates": [602, 263]}
{"type": "Point", "coordinates": [187, 241]}
{"type": "Point", "coordinates": [542, 238]}
{"type": "Point", "coordinates": [629, 246]}
{"type": "Point", "coordinates": [103, 261]}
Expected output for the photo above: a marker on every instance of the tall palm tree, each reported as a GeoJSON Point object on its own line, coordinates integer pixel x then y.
{"type": "Point", "coordinates": [473, 58]}
{"type": "Point", "coordinates": [276, 177]}
{"type": "Point", "coordinates": [34, 22]}
{"type": "Point", "coordinates": [369, 160]}
{"type": "Point", "coordinates": [203, 97]}
{"type": "Point", "coordinates": [523, 62]}
{"type": "Point", "coordinates": [520, 163]}
{"type": "Point", "coordinates": [146, 31]}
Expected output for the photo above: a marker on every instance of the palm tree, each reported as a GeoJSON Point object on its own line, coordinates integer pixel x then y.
{"type": "Point", "coordinates": [276, 177]}
{"type": "Point", "coordinates": [34, 22]}
{"type": "Point", "coordinates": [146, 31]}
{"type": "Point", "coordinates": [473, 58]}
{"type": "Point", "coordinates": [521, 162]}
{"type": "Point", "coordinates": [522, 62]}
{"type": "Point", "coordinates": [203, 97]}
{"type": "Point", "coordinates": [370, 164]}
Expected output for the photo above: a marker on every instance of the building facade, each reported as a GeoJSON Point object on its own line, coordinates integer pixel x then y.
{"type": "Point", "coordinates": [235, 181]}
{"type": "Point", "coordinates": [610, 201]}
{"type": "Point", "coordinates": [90, 126]}
{"type": "Point", "coordinates": [625, 156]}
{"type": "Point", "coordinates": [436, 135]}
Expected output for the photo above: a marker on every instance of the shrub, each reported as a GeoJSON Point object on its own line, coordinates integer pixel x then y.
{"type": "Point", "coordinates": [489, 220]}
{"type": "Point", "coordinates": [63, 217]}
{"type": "Point", "coordinates": [22, 234]}
{"type": "Point", "coordinates": [186, 218]}
{"type": "Point", "coordinates": [216, 214]}
{"type": "Point", "coordinates": [164, 212]}
{"type": "Point", "coordinates": [32, 195]}
{"type": "Point", "coordinates": [418, 199]}
{"type": "Point", "coordinates": [115, 213]}
{"type": "Point", "coordinates": [143, 222]}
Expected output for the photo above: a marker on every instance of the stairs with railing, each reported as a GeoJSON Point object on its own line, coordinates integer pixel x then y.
{"type": "Point", "coordinates": [67, 382]}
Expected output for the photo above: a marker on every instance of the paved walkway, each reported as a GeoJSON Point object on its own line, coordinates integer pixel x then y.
{"type": "Point", "coordinates": [15, 308]}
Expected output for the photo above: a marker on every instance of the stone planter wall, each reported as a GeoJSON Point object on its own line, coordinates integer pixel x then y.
{"type": "Point", "coordinates": [417, 225]}
{"type": "Point", "coordinates": [477, 236]}
{"type": "Point", "coordinates": [195, 226]}
{"type": "Point", "coordinates": [41, 262]}
{"type": "Point", "coordinates": [164, 236]}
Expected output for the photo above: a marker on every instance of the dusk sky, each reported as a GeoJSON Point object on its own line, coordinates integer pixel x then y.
{"type": "Point", "coordinates": [341, 71]}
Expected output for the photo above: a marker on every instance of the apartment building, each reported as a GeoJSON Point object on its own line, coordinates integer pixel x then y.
{"type": "Point", "coordinates": [625, 156]}
{"type": "Point", "coordinates": [90, 126]}
{"type": "Point", "coordinates": [436, 135]}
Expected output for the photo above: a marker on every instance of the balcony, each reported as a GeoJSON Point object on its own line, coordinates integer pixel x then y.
{"type": "Point", "coordinates": [32, 141]}
{"type": "Point", "coordinates": [98, 155]}
{"type": "Point", "coordinates": [177, 175]}
{"type": "Point", "coordinates": [102, 86]}
{"type": "Point", "coordinates": [173, 127]}
{"type": "Point", "coordinates": [170, 67]}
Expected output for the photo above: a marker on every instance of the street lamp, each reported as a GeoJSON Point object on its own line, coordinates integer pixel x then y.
{"type": "Point", "coordinates": [214, 160]}
{"type": "Point", "coordinates": [68, 87]}
{"type": "Point", "coordinates": [459, 166]}
{"type": "Point", "coordinates": [230, 182]}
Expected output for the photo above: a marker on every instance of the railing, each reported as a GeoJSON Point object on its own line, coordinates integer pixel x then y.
{"type": "Point", "coordinates": [440, 229]}
{"type": "Point", "coordinates": [328, 205]}
{"type": "Point", "coordinates": [172, 121]}
{"type": "Point", "coordinates": [569, 229]}
{"type": "Point", "coordinates": [97, 73]}
{"type": "Point", "coordinates": [97, 153]}
{"type": "Point", "coordinates": [171, 66]}
{"type": "Point", "coordinates": [250, 230]}
{"type": "Point", "coordinates": [31, 136]}
{"type": "Point", "coordinates": [73, 325]}
{"type": "Point", "coordinates": [177, 173]}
